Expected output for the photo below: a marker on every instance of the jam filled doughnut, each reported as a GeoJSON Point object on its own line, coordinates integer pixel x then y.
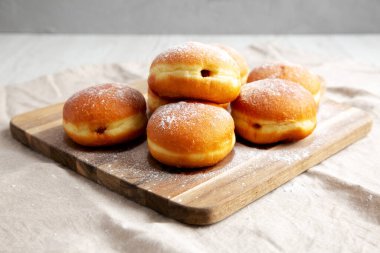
{"type": "Point", "coordinates": [244, 69]}
{"type": "Point", "coordinates": [190, 135]}
{"type": "Point", "coordinates": [195, 71]}
{"type": "Point", "coordinates": [104, 115]}
{"type": "Point", "coordinates": [155, 101]}
{"type": "Point", "coordinates": [294, 73]}
{"type": "Point", "coordinates": [273, 110]}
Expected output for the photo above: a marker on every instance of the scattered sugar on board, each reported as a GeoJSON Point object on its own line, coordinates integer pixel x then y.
{"type": "Point", "coordinates": [134, 162]}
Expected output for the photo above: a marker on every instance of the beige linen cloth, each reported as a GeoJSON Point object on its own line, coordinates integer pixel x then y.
{"type": "Point", "coordinates": [333, 207]}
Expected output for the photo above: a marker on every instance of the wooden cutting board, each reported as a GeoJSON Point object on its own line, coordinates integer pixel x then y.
{"type": "Point", "coordinates": [202, 196]}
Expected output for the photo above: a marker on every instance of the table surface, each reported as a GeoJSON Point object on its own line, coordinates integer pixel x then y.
{"type": "Point", "coordinates": [26, 56]}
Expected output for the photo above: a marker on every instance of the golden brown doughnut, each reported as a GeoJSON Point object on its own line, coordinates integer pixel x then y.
{"type": "Point", "coordinates": [155, 101]}
{"type": "Point", "coordinates": [294, 73]}
{"type": "Point", "coordinates": [105, 115]}
{"type": "Point", "coordinates": [190, 135]}
{"type": "Point", "coordinates": [244, 69]}
{"type": "Point", "coordinates": [195, 71]}
{"type": "Point", "coordinates": [272, 110]}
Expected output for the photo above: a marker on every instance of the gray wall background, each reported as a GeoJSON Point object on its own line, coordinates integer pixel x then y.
{"type": "Point", "coordinates": [190, 16]}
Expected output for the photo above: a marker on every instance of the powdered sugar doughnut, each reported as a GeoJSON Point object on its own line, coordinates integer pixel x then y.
{"type": "Point", "coordinates": [195, 71]}
{"type": "Point", "coordinates": [104, 115]}
{"type": "Point", "coordinates": [190, 135]}
{"type": "Point", "coordinates": [272, 110]}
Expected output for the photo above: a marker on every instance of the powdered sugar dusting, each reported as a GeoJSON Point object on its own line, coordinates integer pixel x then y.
{"type": "Point", "coordinates": [182, 49]}
{"type": "Point", "coordinates": [276, 99]}
{"type": "Point", "coordinates": [97, 91]}
{"type": "Point", "coordinates": [268, 89]}
{"type": "Point", "coordinates": [288, 71]}
{"type": "Point", "coordinates": [102, 92]}
{"type": "Point", "coordinates": [167, 121]}
{"type": "Point", "coordinates": [194, 50]}
{"type": "Point", "coordinates": [187, 114]}
{"type": "Point", "coordinates": [86, 102]}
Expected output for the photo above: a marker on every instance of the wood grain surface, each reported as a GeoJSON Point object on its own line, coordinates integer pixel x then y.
{"type": "Point", "coordinates": [202, 196]}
